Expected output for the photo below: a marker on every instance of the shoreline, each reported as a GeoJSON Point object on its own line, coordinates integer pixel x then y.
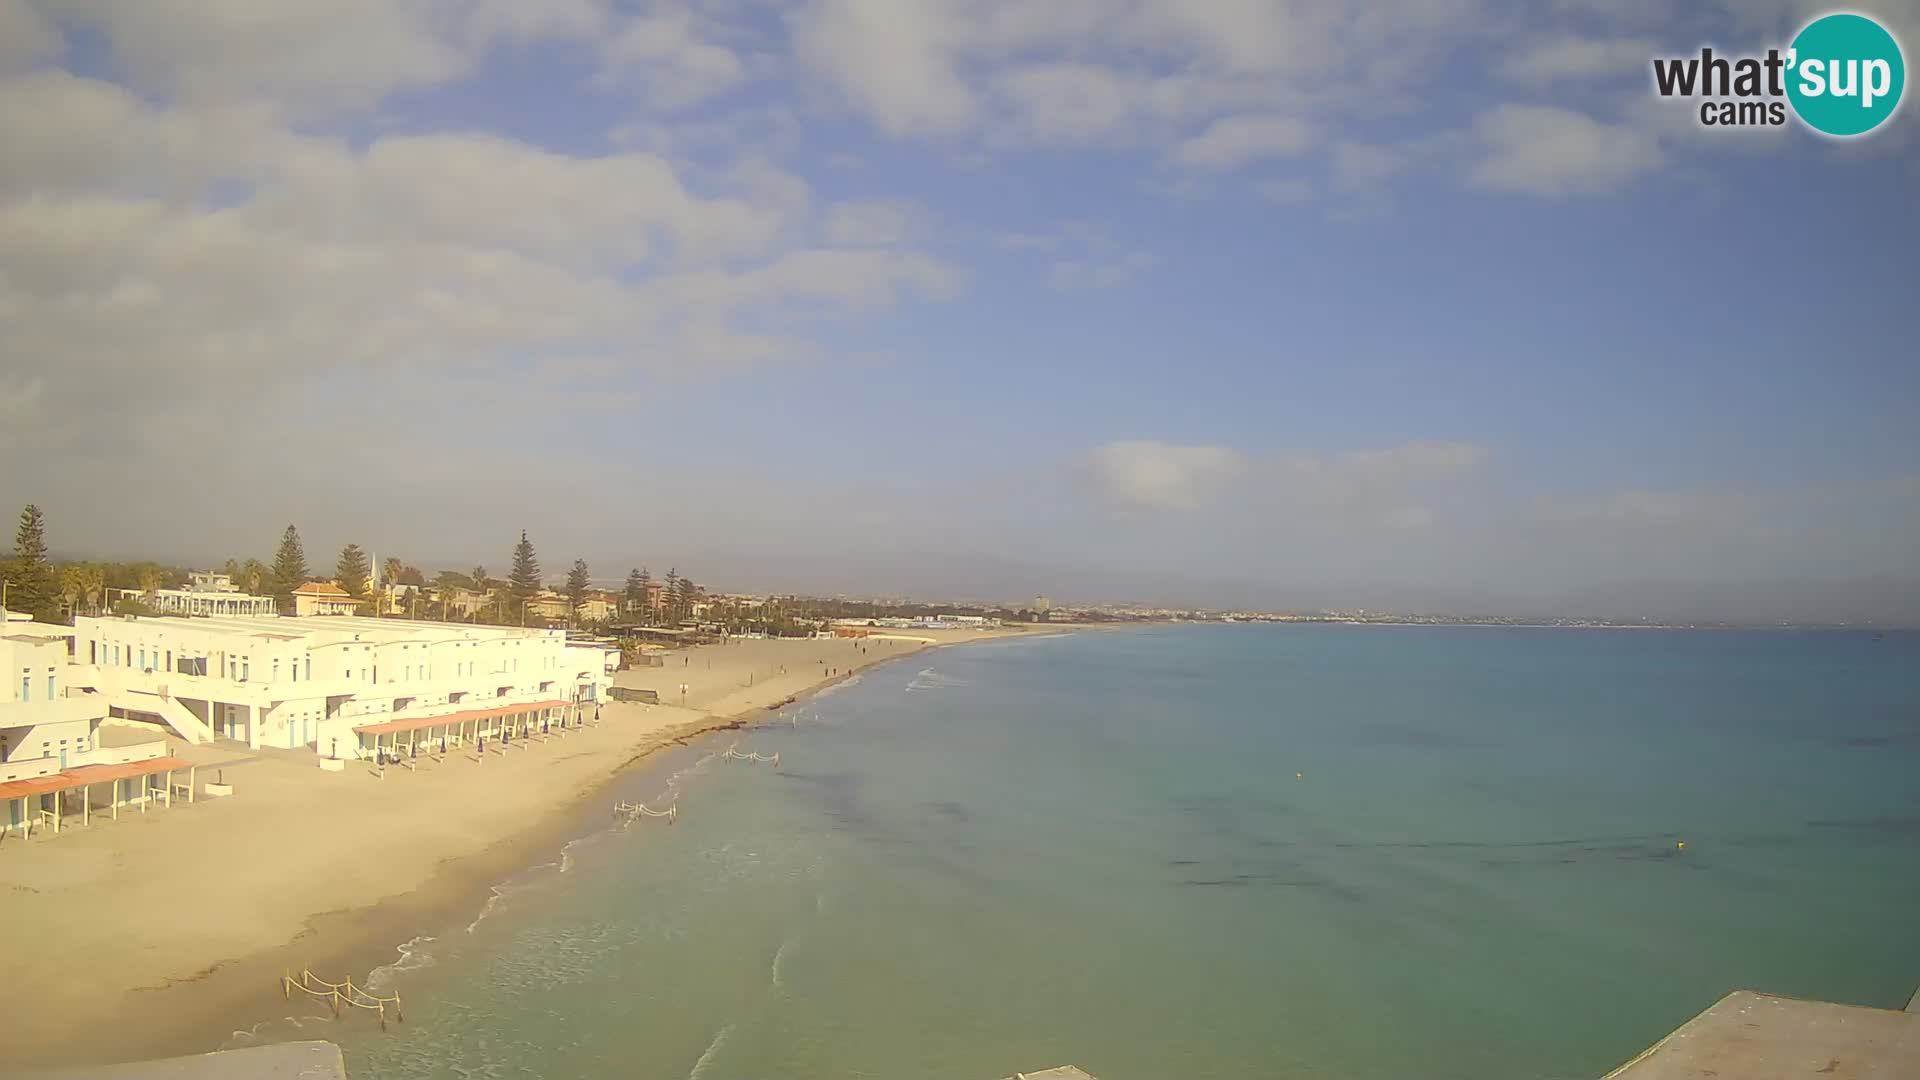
{"type": "Point", "coordinates": [196, 1009]}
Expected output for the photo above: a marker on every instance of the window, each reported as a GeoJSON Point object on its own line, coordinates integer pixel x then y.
{"type": "Point", "coordinates": [26, 688]}
{"type": "Point", "coordinates": [246, 668]}
{"type": "Point", "coordinates": [50, 688]}
{"type": "Point", "coordinates": [309, 667]}
{"type": "Point", "coordinates": [276, 669]}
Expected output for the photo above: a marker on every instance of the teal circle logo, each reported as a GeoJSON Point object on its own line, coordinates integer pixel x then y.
{"type": "Point", "coordinates": [1845, 74]}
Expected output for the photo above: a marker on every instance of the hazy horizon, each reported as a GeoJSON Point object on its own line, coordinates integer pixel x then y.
{"type": "Point", "coordinates": [1413, 307]}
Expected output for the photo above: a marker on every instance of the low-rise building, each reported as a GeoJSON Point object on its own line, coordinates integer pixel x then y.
{"type": "Point", "coordinates": [314, 682]}
{"type": "Point", "coordinates": [597, 607]}
{"type": "Point", "coordinates": [49, 723]}
{"type": "Point", "coordinates": [463, 602]}
{"type": "Point", "coordinates": [208, 593]}
{"type": "Point", "coordinates": [323, 598]}
{"type": "Point", "coordinates": [545, 605]}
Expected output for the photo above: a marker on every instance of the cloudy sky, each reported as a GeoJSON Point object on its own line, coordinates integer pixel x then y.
{"type": "Point", "coordinates": [1219, 301]}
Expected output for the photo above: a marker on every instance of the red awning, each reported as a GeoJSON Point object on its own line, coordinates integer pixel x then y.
{"type": "Point", "coordinates": [415, 723]}
{"type": "Point", "coordinates": [88, 774]}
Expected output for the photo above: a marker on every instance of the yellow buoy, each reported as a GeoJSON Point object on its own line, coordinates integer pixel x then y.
{"type": "Point", "coordinates": [1299, 776]}
{"type": "Point", "coordinates": [1680, 845]}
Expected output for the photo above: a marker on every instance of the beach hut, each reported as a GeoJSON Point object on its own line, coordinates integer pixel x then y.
{"type": "Point", "coordinates": [403, 736]}
{"type": "Point", "coordinates": [45, 801]}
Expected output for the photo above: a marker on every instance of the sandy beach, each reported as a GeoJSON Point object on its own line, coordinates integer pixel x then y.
{"type": "Point", "coordinates": [160, 933]}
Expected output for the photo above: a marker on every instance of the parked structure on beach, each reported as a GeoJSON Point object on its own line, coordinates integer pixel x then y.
{"type": "Point", "coordinates": [313, 682]}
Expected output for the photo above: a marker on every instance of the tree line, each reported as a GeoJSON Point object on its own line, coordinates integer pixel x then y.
{"type": "Point", "coordinates": [53, 590]}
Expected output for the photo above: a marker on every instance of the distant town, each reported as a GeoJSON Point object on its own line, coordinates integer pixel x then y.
{"type": "Point", "coordinates": [363, 584]}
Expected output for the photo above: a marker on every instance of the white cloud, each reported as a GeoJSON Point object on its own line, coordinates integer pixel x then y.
{"type": "Point", "coordinates": [133, 296]}
{"type": "Point", "coordinates": [1068, 101]}
{"type": "Point", "coordinates": [1363, 165]}
{"type": "Point", "coordinates": [672, 56]}
{"type": "Point", "coordinates": [1146, 475]}
{"type": "Point", "coordinates": [868, 224]}
{"type": "Point", "coordinates": [1100, 273]}
{"type": "Point", "coordinates": [1568, 57]}
{"type": "Point", "coordinates": [26, 36]}
{"type": "Point", "coordinates": [1543, 150]}
{"type": "Point", "coordinates": [1019, 241]}
{"type": "Point", "coordinates": [890, 59]}
{"type": "Point", "coordinates": [1329, 494]}
{"type": "Point", "coordinates": [1285, 190]}
{"type": "Point", "coordinates": [349, 53]}
{"type": "Point", "coordinates": [1236, 140]}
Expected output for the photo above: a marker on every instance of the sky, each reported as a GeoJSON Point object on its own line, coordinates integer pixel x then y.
{"type": "Point", "coordinates": [1429, 306]}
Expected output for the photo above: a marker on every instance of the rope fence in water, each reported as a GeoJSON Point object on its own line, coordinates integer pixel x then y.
{"type": "Point", "coordinates": [341, 993]}
{"type": "Point", "coordinates": [632, 810]}
{"type": "Point", "coordinates": [733, 754]}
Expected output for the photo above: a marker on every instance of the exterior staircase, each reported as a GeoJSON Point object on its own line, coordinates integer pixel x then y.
{"type": "Point", "coordinates": [121, 694]}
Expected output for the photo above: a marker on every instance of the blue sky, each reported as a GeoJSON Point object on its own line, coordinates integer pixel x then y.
{"type": "Point", "coordinates": [1403, 304]}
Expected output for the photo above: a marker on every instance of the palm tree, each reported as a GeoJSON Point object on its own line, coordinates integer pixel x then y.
{"type": "Point", "coordinates": [253, 574]}
{"type": "Point", "coordinates": [150, 581]}
{"type": "Point", "coordinates": [93, 582]}
{"type": "Point", "coordinates": [73, 586]}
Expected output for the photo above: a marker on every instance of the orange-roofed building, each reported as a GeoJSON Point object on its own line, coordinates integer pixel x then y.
{"type": "Point", "coordinates": [323, 598]}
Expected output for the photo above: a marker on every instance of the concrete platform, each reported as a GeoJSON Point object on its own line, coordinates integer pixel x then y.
{"type": "Point", "coordinates": [1759, 1035]}
{"type": "Point", "coordinates": [277, 1061]}
{"type": "Point", "coordinates": [1063, 1072]}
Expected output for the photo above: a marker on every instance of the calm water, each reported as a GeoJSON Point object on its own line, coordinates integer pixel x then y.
{"type": "Point", "coordinates": [1234, 852]}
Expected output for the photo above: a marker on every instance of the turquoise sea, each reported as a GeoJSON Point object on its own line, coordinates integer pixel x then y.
{"type": "Point", "coordinates": [1225, 852]}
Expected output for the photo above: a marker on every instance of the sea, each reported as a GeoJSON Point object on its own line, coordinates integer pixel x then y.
{"type": "Point", "coordinates": [1212, 851]}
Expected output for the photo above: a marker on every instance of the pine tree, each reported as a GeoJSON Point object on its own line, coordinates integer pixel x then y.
{"type": "Point", "coordinates": [685, 597]}
{"type": "Point", "coordinates": [32, 588]}
{"type": "Point", "coordinates": [352, 571]}
{"type": "Point", "coordinates": [635, 596]}
{"type": "Point", "coordinates": [670, 595]}
{"type": "Point", "coordinates": [525, 576]}
{"type": "Point", "coordinates": [289, 569]}
{"type": "Point", "coordinates": [577, 583]}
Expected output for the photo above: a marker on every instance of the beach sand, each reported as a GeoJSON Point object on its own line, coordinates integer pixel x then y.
{"type": "Point", "coordinates": [161, 933]}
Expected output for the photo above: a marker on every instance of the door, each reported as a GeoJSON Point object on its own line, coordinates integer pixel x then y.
{"type": "Point", "coordinates": [63, 759]}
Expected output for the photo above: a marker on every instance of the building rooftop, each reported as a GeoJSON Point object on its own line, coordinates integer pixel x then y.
{"type": "Point", "coordinates": [1751, 1034]}
{"type": "Point", "coordinates": [332, 629]}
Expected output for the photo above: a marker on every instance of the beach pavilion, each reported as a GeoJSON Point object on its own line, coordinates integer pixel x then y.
{"type": "Point", "coordinates": [403, 737]}
{"type": "Point", "coordinates": [44, 801]}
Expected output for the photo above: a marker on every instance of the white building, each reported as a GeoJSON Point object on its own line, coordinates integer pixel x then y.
{"type": "Point", "coordinates": [315, 682]}
{"type": "Point", "coordinates": [52, 736]}
{"type": "Point", "coordinates": [208, 593]}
